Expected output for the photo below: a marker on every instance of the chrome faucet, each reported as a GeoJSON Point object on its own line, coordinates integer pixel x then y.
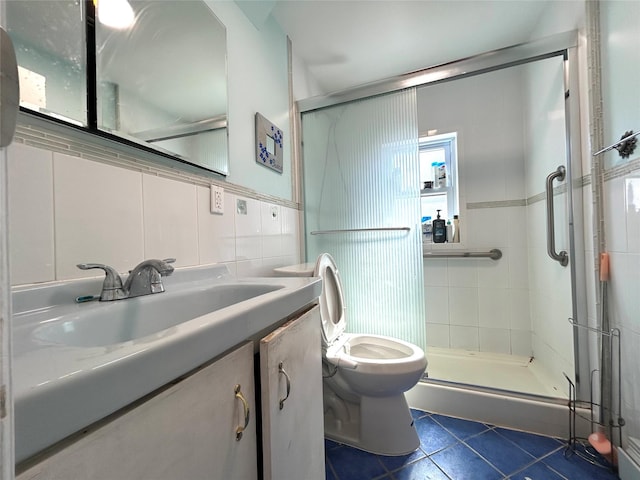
{"type": "Point", "coordinates": [144, 279]}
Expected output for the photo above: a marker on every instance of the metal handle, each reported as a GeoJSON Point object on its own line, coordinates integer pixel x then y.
{"type": "Point", "coordinates": [282, 371]}
{"type": "Point", "coordinates": [562, 256]}
{"type": "Point", "coordinates": [348, 230]}
{"type": "Point", "coordinates": [245, 405]}
{"type": "Point", "coordinates": [493, 254]}
{"type": "Point", "coordinates": [112, 280]}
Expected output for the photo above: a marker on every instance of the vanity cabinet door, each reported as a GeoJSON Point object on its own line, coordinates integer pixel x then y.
{"type": "Point", "coordinates": [291, 396]}
{"type": "Point", "coordinates": [187, 431]}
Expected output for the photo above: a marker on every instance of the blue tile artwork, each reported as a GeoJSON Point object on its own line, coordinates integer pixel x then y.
{"type": "Point", "coordinates": [456, 449]}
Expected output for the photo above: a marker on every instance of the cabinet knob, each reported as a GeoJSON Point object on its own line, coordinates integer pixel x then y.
{"type": "Point", "coordinates": [283, 372]}
{"type": "Point", "coordinates": [245, 405]}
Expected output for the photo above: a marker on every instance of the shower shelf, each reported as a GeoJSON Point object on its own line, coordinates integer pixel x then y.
{"type": "Point", "coordinates": [615, 422]}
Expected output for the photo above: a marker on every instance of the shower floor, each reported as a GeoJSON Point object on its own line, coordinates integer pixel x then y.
{"type": "Point", "coordinates": [491, 370]}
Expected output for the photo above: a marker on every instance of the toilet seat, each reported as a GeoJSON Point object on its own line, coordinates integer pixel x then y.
{"type": "Point", "coordinates": [331, 300]}
{"type": "Point", "coordinates": [368, 353]}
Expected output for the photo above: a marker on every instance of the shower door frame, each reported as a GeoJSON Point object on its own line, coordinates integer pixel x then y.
{"type": "Point", "coordinates": [563, 45]}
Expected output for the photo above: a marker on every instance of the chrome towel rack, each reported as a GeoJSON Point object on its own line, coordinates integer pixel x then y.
{"type": "Point", "coordinates": [493, 254]}
{"type": "Point", "coordinates": [349, 230]}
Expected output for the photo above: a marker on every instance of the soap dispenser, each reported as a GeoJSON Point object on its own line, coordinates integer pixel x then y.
{"type": "Point", "coordinates": [439, 229]}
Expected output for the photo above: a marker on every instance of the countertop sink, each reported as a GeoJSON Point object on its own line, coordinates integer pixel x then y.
{"type": "Point", "coordinates": [76, 363]}
{"type": "Point", "coordinates": [143, 318]}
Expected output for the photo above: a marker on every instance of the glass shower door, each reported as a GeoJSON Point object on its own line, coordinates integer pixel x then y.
{"type": "Point", "coordinates": [503, 323]}
{"type": "Point", "coordinates": [362, 205]}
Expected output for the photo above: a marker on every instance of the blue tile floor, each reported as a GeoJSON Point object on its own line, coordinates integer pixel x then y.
{"type": "Point", "coordinates": [455, 449]}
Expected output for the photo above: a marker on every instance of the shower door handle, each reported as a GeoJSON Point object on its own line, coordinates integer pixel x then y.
{"type": "Point", "coordinates": [560, 257]}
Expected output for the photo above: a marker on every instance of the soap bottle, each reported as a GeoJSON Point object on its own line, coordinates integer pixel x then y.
{"type": "Point", "coordinates": [426, 230]}
{"type": "Point", "coordinates": [449, 231]}
{"type": "Point", "coordinates": [439, 229]}
{"type": "Point", "coordinates": [456, 229]}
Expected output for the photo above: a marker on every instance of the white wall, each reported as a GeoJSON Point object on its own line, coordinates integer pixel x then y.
{"type": "Point", "coordinates": [257, 70]}
{"type": "Point", "coordinates": [620, 36]}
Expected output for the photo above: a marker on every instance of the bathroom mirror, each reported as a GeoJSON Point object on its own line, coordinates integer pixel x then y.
{"type": "Point", "coordinates": [160, 83]}
{"type": "Point", "coordinates": [163, 81]}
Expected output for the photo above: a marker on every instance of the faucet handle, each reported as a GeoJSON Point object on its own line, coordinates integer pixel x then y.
{"type": "Point", "coordinates": [169, 260]}
{"type": "Point", "coordinates": [112, 286]}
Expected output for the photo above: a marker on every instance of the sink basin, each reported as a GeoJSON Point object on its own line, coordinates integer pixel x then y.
{"type": "Point", "coordinates": [74, 364]}
{"type": "Point", "coordinates": [145, 318]}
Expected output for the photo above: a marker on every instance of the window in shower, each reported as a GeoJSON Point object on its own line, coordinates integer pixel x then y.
{"type": "Point", "coordinates": [438, 154]}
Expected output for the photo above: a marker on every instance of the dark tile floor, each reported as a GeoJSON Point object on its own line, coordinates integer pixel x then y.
{"type": "Point", "coordinates": [455, 449]}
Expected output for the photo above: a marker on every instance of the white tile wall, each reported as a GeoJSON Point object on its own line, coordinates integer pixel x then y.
{"type": "Point", "coordinates": [98, 216]}
{"type": "Point", "coordinates": [248, 223]}
{"type": "Point", "coordinates": [489, 296]}
{"type": "Point", "coordinates": [170, 220]}
{"type": "Point", "coordinates": [216, 233]}
{"type": "Point", "coordinates": [436, 302]}
{"type": "Point", "coordinates": [106, 214]}
{"type": "Point", "coordinates": [464, 338]}
{"type": "Point", "coordinates": [30, 203]}
{"type": "Point", "coordinates": [271, 221]}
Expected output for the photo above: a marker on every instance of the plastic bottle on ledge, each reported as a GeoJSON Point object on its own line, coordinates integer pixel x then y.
{"type": "Point", "coordinates": [442, 175]}
{"type": "Point", "coordinates": [426, 230]}
{"type": "Point", "coordinates": [449, 231]}
{"type": "Point", "coordinates": [434, 168]}
{"type": "Point", "coordinates": [456, 229]}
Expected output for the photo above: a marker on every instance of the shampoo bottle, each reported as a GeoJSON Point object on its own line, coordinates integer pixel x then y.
{"type": "Point", "coordinates": [439, 230]}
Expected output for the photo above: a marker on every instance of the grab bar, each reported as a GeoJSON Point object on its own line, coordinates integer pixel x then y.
{"type": "Point", "coordinates": [561, 257]}
{"type": "Point", "coordinates": [493, 254]}
{"type": "Point", "coordinates": [348, 230]}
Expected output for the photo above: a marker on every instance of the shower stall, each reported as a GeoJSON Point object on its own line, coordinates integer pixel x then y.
{"type": "Point", "coordinates": [502, 321]}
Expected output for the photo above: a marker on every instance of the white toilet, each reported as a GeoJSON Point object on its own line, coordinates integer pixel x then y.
{"type": "Point", "coordinates": [365, 377]}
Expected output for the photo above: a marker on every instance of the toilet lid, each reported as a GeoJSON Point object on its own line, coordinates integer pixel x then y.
{"type": "Point", "coordinates": [331, 301]}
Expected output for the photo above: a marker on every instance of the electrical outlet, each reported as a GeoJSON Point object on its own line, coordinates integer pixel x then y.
{"type": "Point", "coordinates": [217, 199]}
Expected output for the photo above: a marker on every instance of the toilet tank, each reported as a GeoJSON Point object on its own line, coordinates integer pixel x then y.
{"type": "Point", "coordinates": [299, 270]}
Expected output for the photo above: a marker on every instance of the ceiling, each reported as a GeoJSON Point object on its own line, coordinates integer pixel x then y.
{"type": "Point", "coordinates": [345, 43]}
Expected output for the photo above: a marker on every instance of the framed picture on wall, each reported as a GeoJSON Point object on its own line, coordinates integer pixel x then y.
{"type": "Point", "coordinates": [268, 144]}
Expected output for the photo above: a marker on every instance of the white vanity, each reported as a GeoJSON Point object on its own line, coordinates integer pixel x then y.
{"type": "Point", "coordinates": [180, 402]}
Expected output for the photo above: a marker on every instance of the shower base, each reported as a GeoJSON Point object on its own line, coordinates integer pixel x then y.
{"type": "Point", "coordinates": [501, 390]}
{"type": "Point", "coordinates": [493, 370]}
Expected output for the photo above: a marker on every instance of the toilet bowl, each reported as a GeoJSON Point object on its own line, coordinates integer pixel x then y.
{"type": "Point", "coordinates": [365, 377]}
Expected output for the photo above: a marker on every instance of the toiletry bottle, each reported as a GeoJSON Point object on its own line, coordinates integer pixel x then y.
{"type": "Point", "coordinates": [434, 169]}
{"type": "Point", "coordinates": [456, 229]}
{"type": "Point", "coordinates": [442, 175]}
{"type": "Point", "coordinates": [439, 230]}
{"type": "Point", "coordinates": [426, 230]}
{"type": "Point", "coordinates": [449, 231]}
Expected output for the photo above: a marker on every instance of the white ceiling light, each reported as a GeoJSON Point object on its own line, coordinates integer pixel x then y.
{"type": "Point", "coordinates": [116, 14]}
